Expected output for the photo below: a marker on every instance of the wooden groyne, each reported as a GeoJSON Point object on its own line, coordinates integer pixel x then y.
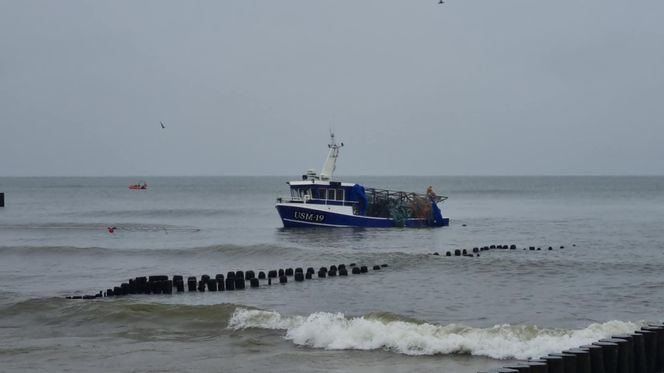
{"type": "Point", "coordinates": [639, 352]}
{"type": "Point", "coordinates": [231, 281]}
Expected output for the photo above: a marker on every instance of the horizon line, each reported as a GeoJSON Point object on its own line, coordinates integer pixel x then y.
{"type": "Point", "coordinates": [341, 176]}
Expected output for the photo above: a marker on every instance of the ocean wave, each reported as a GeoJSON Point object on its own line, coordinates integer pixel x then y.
{"type": "Point", "coordinates": [122, 312]}
{"type": "Point", "coordinates": [227, 249]}
{"type": "Point", "coordinates": [334, 331]}
{"type": "Point", "coordinates": [132, 227]}
{"type": "Point", "coordinates": [59, 250]}
{"type": "Point", "coordinates": [161, 213]}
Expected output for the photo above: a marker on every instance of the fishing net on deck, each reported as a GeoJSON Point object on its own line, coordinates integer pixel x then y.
{"type": "Point", "coordinates": [399, 214]}
{"type": "Point", "coordinates": [400, 206]}
{"type": "Point", "coordinates": [421, 207]}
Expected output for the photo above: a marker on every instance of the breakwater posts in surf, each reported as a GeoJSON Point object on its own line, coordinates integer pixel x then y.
{"type": "Point", "coordinates": [639, 352]}
{"type": "Point", "coordinates": [234, 280]}
{"type": "Point", "coordinates": [475, 252]}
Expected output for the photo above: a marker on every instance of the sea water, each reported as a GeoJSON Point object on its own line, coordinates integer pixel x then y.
{"type": "Point", "coordinates": [422, 313]}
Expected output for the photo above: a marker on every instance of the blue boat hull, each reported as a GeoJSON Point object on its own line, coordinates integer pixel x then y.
{"type": "Point", "coordinates": [296, 216]}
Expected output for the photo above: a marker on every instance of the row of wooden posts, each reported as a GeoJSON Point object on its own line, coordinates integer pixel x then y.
{"type": "Point", "coordinates": [236, 280]}
{"type": "Point", "coordinates": [476, 250]}
{"type": "Point", "coordinates": [639, 352]}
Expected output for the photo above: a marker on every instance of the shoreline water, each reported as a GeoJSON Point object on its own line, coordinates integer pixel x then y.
{"type": "Point", "coordinates": [54, 242]}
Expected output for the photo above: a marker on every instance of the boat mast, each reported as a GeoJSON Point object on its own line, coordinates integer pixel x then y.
{"type": "Point", "coordinates": [331, 162]}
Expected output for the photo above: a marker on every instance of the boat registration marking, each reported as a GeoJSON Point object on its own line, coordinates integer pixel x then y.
{"type": "Point", "coordinates": [307, 216]}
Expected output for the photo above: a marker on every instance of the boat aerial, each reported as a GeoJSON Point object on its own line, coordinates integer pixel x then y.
{"type": "Point", "coordinates": [140, 186]}
{"type": "Point", "coordinates": [317, 201]}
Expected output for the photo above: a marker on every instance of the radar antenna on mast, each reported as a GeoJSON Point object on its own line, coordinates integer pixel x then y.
{"type": "Point", "coordinates": [331, 162]}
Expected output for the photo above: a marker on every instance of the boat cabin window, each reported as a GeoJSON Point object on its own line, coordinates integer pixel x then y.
{"type": "Point", "coordinates": [330, 194]}
{"type": "Point", "coordinates": [333, 194]}
{"type": "Point", "coordinates": [299, 193]}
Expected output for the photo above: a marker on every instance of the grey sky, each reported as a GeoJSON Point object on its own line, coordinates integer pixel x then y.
{"type": "Point", "coordinates": [473, 87]}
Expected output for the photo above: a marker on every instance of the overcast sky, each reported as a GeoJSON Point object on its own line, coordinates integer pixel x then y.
{"type": "Point", "coordinates": [471, 87]}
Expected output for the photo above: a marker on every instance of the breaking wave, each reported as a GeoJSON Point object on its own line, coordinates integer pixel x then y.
{"type": "Point", "coordinates": [334, 331]}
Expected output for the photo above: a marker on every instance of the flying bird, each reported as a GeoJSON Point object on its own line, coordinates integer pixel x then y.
{"type": "Point", "coordinates": [162, 124]}
{"type": "Point", "coordinates": [441, 2]}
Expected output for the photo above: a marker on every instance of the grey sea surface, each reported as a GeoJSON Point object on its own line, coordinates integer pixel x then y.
{"type": "Point", "coordinates": [422, 313]}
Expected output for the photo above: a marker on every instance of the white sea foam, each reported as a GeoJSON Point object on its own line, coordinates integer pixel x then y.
{"type": "Point", "coordinates": [335, 331]}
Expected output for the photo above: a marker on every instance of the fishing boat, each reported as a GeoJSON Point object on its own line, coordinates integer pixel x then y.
{"type": "Point", "coordinates": [318, 201]}
{"type": "Point", "coordinates": [140, 186]}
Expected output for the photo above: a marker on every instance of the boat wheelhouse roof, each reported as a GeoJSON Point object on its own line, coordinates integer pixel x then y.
{"type": "Point", "coordinates": [310, 182]}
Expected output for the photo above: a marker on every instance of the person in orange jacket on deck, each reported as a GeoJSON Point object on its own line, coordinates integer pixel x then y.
{"type": "Point", "coordinates": [430, 193]}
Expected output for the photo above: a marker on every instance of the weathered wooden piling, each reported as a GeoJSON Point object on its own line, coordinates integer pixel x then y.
{"type": "Point", "coordinates": [191, 283]}
{"type": "Point", "coordinates": [596, 358]}
{"type": "Point", "coordinates": [582, 359]}
{"type": "Point", "coordinates": [639, 352]}
{"type": "Point", "coordinates": [212, 284]}
{"type": "Point", "coordinates": [659, 330]}
{"type": "Point", "coordinates": [230, 283]}
{"type": "Point", "coordinates": [239, 283]}
{"type": "Point", "coordinates": [609, 355]}
{"type": "Point", "coordinates": [625, 352]}
{"type": "Point", "coordinates": [569, 361]}
{"type": "Point", "coordinates": [519, 367]}
{"type": "Point", "coordinates": [537, 366]}
{"type": "Point", "coordinates": [650, 345]}
{"type": "Point", "coordinates": [220, 282]}
{"type": "Point", "coordinates": [624, 346]}
{"type": "Point", "coordinates": [554, 364]}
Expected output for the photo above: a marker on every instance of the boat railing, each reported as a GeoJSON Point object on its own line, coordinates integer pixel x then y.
{"type": "Point", "coordinates": [373, 193]}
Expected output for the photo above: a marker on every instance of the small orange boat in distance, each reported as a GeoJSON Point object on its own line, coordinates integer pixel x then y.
{"type": "Point", "coordinates": [140, 186]}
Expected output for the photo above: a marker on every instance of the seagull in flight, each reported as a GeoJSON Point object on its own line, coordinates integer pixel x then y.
{"type": "Point", "coordinates": [162, 124]}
